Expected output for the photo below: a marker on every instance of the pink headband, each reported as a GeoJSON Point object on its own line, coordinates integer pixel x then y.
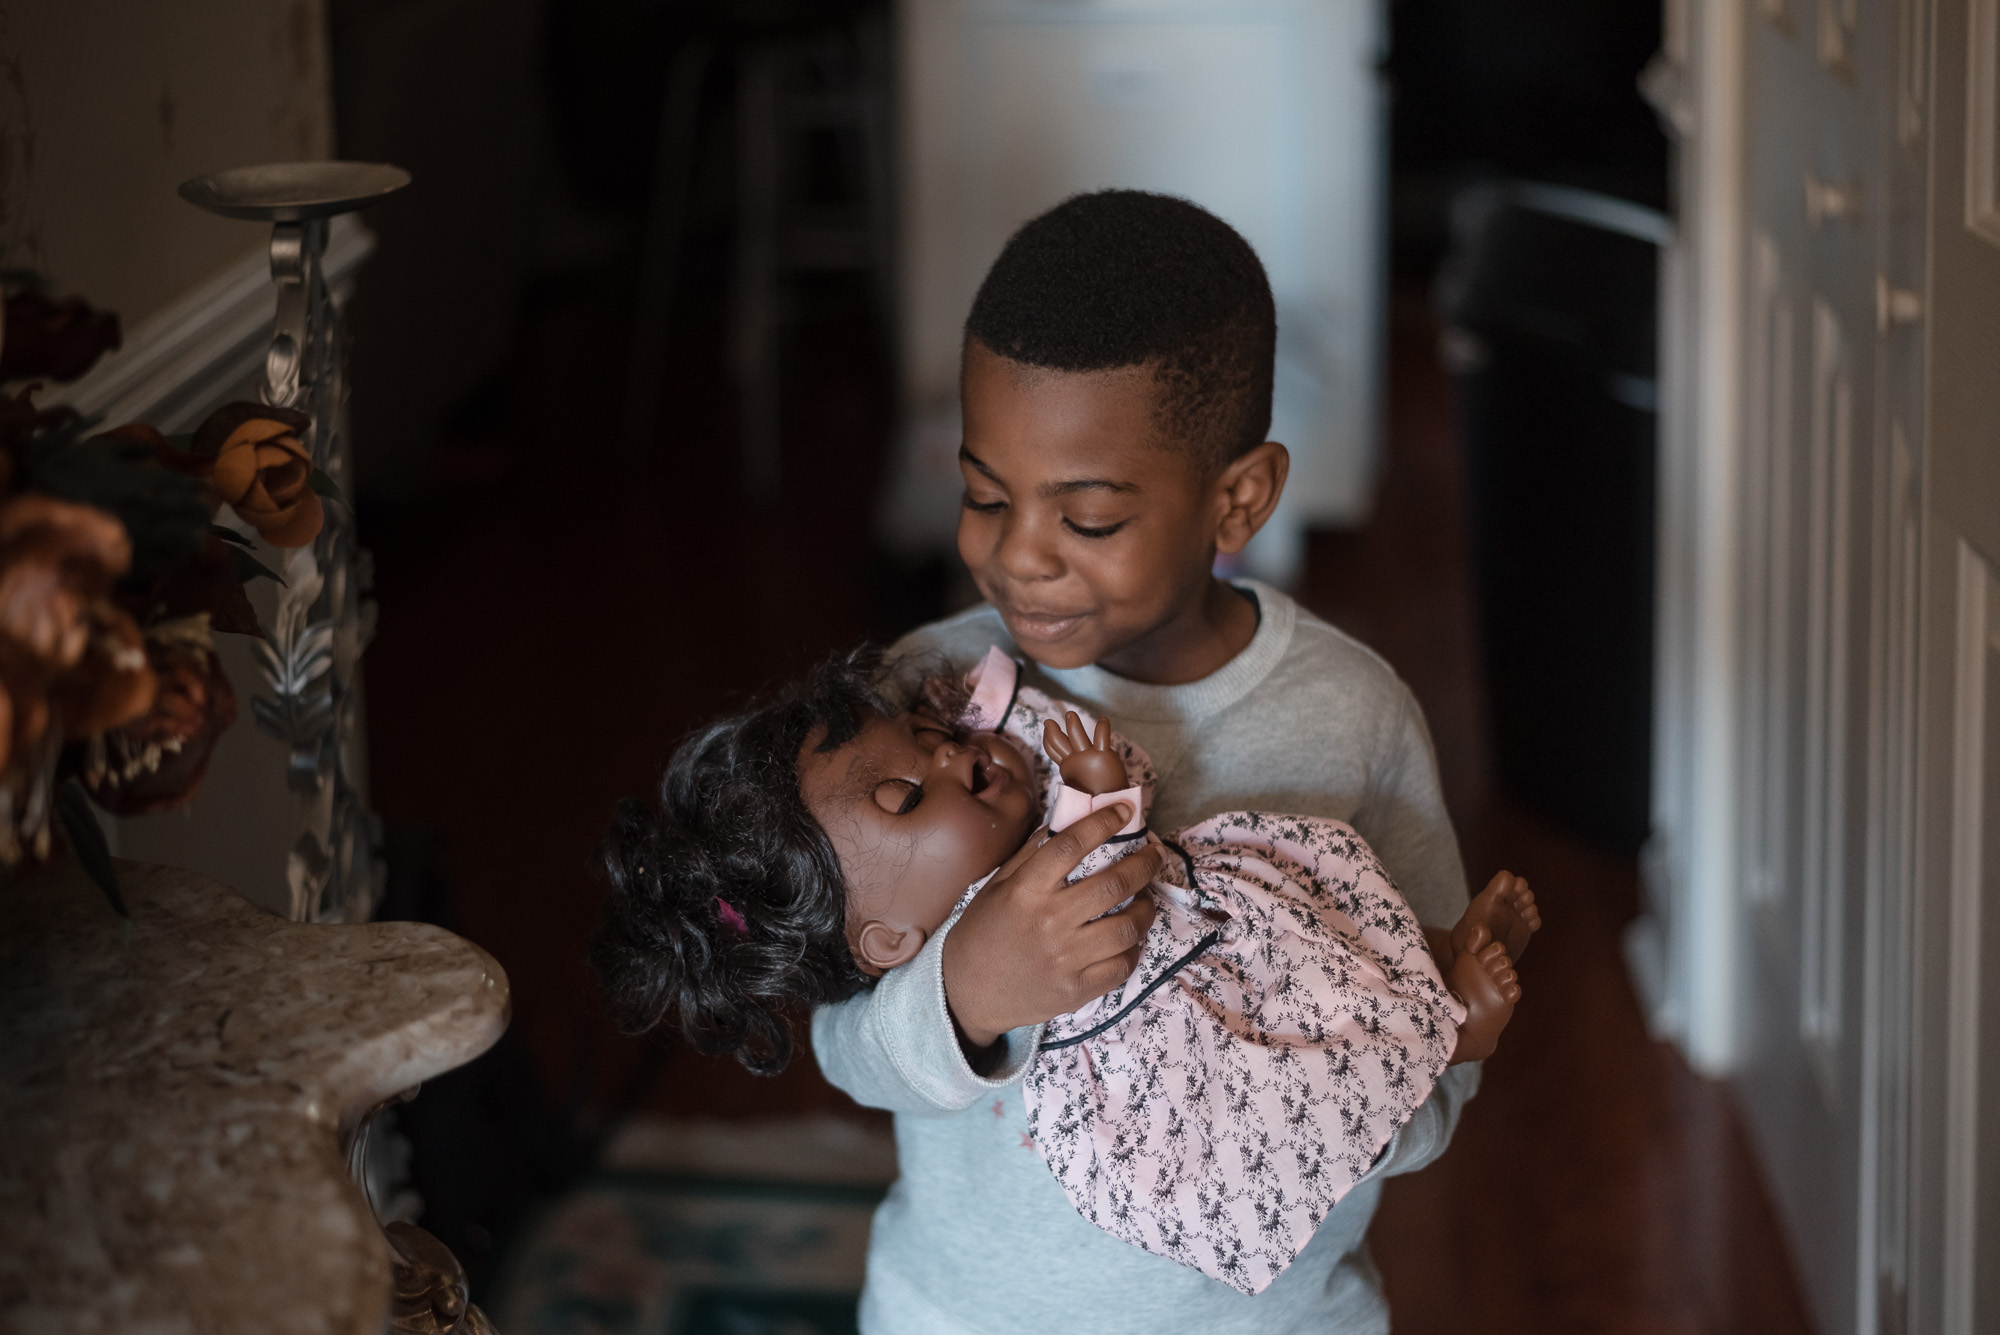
{"type": "Point", "coordinates": [731, 919]}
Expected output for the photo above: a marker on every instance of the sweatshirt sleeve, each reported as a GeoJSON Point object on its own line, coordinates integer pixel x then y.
{"type": "Point", "coordinates": [895, 1047]}
{"type": "Point", "coordinates": [1403, 818]}
{"type": "Point", "coordinates": [1424, 1137]}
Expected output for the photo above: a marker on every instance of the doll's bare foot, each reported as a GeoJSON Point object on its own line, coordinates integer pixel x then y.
{"type": "Point", "coordinates": [1506, 909]}
{"type": "Point", "coordinates": [1484, 979]}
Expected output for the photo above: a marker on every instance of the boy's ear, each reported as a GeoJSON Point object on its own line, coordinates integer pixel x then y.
{"type": "Point", "coordinates": [882, 947]}
{"type": "Point", "coordinates": [1249, 489]}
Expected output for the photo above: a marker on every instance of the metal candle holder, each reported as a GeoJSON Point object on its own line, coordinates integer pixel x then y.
{"type": "Point", "coordinates": [324, 618]}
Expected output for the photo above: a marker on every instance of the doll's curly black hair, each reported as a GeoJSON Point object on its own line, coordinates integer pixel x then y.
{"type": "Point", "coordinates": [727, 908]}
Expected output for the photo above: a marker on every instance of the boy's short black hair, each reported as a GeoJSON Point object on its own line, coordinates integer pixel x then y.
{"type": "Point", "coordinates": [1126, 278]}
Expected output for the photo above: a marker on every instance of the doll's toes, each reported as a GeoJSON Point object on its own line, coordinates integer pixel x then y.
{"type": "Point", "coordinates": [1511, 991]}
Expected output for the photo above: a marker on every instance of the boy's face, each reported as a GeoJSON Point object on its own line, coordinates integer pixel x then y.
{"type": "Point", "coordinates": [1084, 525]}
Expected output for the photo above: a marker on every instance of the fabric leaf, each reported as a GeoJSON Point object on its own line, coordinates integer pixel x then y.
{"type": "Point", "coordinates": [86, 840]}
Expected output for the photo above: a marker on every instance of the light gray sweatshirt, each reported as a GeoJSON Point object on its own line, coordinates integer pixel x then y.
{"type": "Point", "coordinates": [976, 1237]}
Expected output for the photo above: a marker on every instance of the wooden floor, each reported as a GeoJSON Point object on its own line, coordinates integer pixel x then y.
{"type": "Point", "coordinates": [554, 616]}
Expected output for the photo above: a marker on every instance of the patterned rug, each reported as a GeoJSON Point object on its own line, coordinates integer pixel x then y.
{"type": "Point", "coordinates": [705, 1229]}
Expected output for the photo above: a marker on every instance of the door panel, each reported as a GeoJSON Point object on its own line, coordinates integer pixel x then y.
{"type": "Point", "coordinates": [1819, 541]}
{"type": "Point", "coordinates": [1952, 1154]}
{"type": "Point", "coordinates": [1972, 1059]}
{"type": "Point", "coordinates": [1866, 737]}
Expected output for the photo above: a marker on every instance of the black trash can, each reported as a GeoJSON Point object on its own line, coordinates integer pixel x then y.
{"type": "Point", "coordinates": [1550, 300]}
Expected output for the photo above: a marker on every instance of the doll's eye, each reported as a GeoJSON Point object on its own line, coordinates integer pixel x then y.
{"type": "Point", "coordinates": [899, 797]}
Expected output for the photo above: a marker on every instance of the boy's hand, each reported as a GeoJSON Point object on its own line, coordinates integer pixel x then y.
{"type": "Point", "coordinates": [1031, 946]}
{"type": "Point", "coordinates": [1086, 763]}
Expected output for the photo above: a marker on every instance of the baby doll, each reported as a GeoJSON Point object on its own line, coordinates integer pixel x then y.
{"type": "Point", "coordinates": [1285, 1016]}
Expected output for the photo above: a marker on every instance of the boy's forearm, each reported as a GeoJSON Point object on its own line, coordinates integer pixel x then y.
{"type": "Point", "coordinates": [1405, 821]}
{"type": "Point", "coordinates": [1428, 1132]}
{"type": "Point", "coordinates": [895, 1047]}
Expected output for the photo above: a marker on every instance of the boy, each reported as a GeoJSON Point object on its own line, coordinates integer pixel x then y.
{"type": "Point", "coordinates": [1117, 389]}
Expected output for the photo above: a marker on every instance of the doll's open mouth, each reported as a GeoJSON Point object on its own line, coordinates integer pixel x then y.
{"type": "Point", "coordinates": [989, 776]}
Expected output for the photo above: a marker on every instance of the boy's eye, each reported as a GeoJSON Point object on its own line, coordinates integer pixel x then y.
{"type": "Point", "coordinates": [899, 797]}
{"type": "Point", "coordinates": [983, 507]}
{"type": "Point", "coordinates": [1094, 531]}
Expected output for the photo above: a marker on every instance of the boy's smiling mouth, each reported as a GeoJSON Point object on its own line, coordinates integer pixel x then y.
{"type": "Point", "coordinates": [1041, 626]}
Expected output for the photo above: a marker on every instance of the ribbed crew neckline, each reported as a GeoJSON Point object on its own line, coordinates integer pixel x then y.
{"type": "Point", "coordinates": [1121, 697]}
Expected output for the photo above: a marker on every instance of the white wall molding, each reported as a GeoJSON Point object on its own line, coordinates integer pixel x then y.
{"type": "Point", "coordinates": [1693, 864]}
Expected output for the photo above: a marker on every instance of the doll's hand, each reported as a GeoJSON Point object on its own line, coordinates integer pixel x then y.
{"type": "Point", "coordinates": [1087, 763]}
{"type": "Point", "coordinates": [1031, 946]}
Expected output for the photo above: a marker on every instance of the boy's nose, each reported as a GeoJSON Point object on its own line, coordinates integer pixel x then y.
{"type": "Point", "coordinates": [1025, 555]}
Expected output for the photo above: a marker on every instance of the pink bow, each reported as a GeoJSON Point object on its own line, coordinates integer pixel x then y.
{"type": "Point", "coordinates": [731, 919]}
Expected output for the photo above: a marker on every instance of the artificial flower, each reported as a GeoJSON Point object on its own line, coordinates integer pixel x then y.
{"type": "Point", "coordinates": [264, 473]}
{"type": "Point", "coordinates": [156, 762]}
{"type": "Point", "coordinates": [56, 338]}
{"type": "Point", "coordinates": [57, 560]}
{"type": "Point", "coordinates": [112, 683]}
{"type": "Point", "coordinates": [25, 742]}
{"type": "Point", "coordinates": [21, 422]}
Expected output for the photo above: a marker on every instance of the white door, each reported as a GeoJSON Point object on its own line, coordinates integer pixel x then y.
{"type": "Point", "coordinates": [1867, 751]}
{"type": "Point", "coordinates": [1815, 209]}
{"type": "Point", "coordinates": [1955, 1067]}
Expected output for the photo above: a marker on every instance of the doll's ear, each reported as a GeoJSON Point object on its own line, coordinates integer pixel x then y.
{"type": "Point", "coordinates": [882, 947]}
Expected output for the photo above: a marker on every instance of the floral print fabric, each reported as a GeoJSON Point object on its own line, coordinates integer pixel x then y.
{"type": "Point", "coordinates": [1214, 1112]}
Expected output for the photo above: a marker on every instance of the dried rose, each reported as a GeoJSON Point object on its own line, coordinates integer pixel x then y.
{"type": "Point", "coordinates": [157, 762]}
{"type": "Point", "coordinates": [181, 461]}
{"type": "Point", "coordinates": [24, 681]}
{"type": "Point", "coordinates": [6, 724]}
{"type": "Point", "coordinates": [56, 338]}
{"type": "Point", "coordinates": [264, 473]}
{"type": "Point", "coordinates": [208, 583]}
{"type": "Point", "coordinates": [21, 421]}
{"type": "Point", "coordinates": [111, 684]}
{"type": "Point", "coordinates": [57, 559]}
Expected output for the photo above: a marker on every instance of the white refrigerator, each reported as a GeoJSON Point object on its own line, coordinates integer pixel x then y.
{"type": "Point", "coordinates": [1270, 113]}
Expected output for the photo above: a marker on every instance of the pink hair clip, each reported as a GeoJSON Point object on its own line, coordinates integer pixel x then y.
{"type": "Point", "coordinates": [731, 918]}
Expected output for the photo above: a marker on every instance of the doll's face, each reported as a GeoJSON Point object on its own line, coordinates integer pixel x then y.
{"type": "Point", "coordinates": [1084, 524]}
{"type": "Point", "coordinates": [916, 814]}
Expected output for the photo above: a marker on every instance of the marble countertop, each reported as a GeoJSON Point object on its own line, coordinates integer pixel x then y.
{"type": "Point", "coordinates": [177, 1095]}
